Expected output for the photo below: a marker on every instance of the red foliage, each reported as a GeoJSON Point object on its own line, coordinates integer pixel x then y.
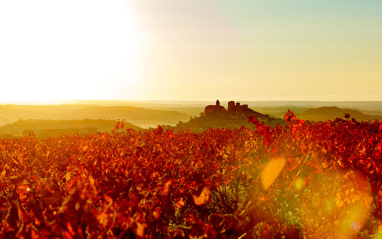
{"type": "Point", "coordinates": [165, 184]}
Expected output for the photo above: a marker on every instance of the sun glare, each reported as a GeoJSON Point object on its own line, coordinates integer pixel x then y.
{"type": "Point", "coordinates": [58, 50]}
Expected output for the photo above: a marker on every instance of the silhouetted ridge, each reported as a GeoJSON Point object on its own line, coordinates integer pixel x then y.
{"type": "Point", "coordinates": [332, 112]}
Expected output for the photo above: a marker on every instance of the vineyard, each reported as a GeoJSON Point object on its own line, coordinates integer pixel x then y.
{"type": "Point", "coordinates": [301, 180]}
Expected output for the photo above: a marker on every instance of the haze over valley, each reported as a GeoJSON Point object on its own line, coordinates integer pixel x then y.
{"type": "Point", "coordinates": [101, 116]}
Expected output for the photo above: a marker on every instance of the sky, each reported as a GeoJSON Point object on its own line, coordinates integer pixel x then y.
{"type": "Point", "coordinates": [190, 50]}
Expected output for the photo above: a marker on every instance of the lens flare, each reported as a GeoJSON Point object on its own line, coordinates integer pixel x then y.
{"type": "Point", "coordinates": [337, 205]}
{"type": "Point", "coordinates": [378, 234]}
{"type": "Point", "coordinates": [271, 172]}
{"type": "Point", "coordinates": [299, 183]}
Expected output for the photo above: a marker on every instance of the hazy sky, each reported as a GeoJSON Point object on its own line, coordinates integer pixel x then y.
{"type": "Point", "coordinates": [190, 50]}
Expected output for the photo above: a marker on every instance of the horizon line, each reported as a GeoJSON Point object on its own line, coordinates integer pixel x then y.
{"type": "Point", "coordinates": [170, 101]}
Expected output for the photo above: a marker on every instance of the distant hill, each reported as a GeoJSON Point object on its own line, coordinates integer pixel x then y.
{"type": "Point", "coordinates": [362, 105]}
{"type": "Point", "coordinates": [330, 113]}
{"type": "Point", "coordinates": [137, 116]}
{"type": "Point", "coordinates": [18, 128]}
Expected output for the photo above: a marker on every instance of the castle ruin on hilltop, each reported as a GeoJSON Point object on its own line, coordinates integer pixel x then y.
{"type": "Point", "coordinates": [216, 116]}
{"type": "Point", "coordinates": [233, 108]}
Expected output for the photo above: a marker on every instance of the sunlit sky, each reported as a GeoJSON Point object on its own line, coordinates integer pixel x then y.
{"type": "Point", "coordinates": [190, 50]}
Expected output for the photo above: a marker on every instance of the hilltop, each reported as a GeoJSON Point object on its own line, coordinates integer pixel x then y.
{"type": "Point", "coordinates": [216, 116]}
{"type": "Point", "coordinates": [330, 113]}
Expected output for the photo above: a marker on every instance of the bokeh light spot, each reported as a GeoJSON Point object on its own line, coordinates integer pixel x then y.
{"type": "Point", "coordinates": [271, 172]}
{"type": "Point", "coordinates": [336, 205]}
{"type": "Point", "coordinates": [299, 183]}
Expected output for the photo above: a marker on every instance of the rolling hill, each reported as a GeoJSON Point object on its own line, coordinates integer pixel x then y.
{"type": "Point", "coordinates": [61, 126]}
{"type": "Point", "coordinates": [330, 113]}
{"type": "Point", "coordinates": [135, 115]}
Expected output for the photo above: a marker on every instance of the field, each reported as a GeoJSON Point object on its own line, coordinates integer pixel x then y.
{"type": "Point", "coordinates": [294, 181]}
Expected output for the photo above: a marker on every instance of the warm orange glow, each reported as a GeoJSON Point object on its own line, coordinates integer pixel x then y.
{"type": "Point", "coordinates": [271, 172]}
{"type": "Point", "coordinates": [378, 234]}
{"type": "Point", "coordinates": [338, 205]}
{"type": "Point", "coordinates": [203, 197]}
